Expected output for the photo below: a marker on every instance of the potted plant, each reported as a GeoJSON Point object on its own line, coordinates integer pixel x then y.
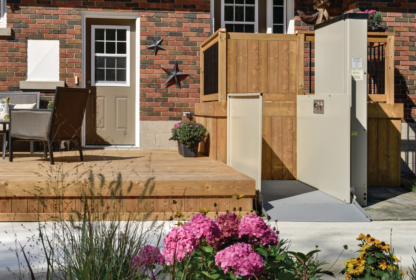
{"type": "Point", "coordinates": [188, 134]}
{"type": "Point", "coordinates": [374, 21]}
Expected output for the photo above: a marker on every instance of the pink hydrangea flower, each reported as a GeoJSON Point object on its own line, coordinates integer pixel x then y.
{"type": "Point", "coordinates": [241, 259]}
{"type": "Point", "coordinates": [148, 256]}
{"type": "Point", "coordinates": [179, 243]}
{"type": "Point", "coordinates": [202, 226]}
{"type": "Point", "coordinates": [190, 125]}
{"type": "Point", "coordinates": [255, 230]}
{"type": "Point", "coordinates": [228, 225]}
{"type": "Point", "coordinates": [197, 126]}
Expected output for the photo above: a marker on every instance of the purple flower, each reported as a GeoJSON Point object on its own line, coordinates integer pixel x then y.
{"type": "Point", "coordinates": [179, 243]}
{"type": "Point", "coordinates": [148, 256]}
{"type": "Point", "coordinates": [255, 230]}
{"type": "Point", "coordinates": [228, 225]}
{"type": "Point", "coordinates": [202, 226]}
{"type": "Point", "coordinates": [241, 259]}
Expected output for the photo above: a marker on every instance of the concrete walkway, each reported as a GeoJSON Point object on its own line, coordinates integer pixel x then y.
{"type": "Point", "coordinates": [330, 238]}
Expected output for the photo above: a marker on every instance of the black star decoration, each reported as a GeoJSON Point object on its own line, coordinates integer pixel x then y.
{"type": "Point", "coordinates": [156, 45]}
{"type": "Point", "coordinates": [174, 74]}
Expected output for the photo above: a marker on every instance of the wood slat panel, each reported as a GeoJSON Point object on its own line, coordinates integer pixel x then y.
{"type": "Point", "coordinates": [211, 109]}
{"type": "Point", "coordinates": [377, 97]}
{"type": "Point", "coordinates": [277, 148]}
{"type": "Point", "coordinates": [372, 153]}
{"type": "Point", "coordinates": [212, 137]}
{"type": "Point", "coordinates": [266, 168]}
{"type": "Point", "coordinates": [279, 109]}
{"type": "Point", "coordinates": [222, 66]}
{"type": "Point", "coordinates": [394, 148]}
{"type": "Point", "coordinates": [389, 65]}
{"type": "Point", "coordinates": [203, 148]}
{"type": "Point", "coordinates": [192, 205]}
{"type": "Point", "coordinates": [232, 66]}
{"type": "Point", "coordinates": [5, 205]}
{"type": "Point", "coordinates": [223, 204]}
{"type": "Point", "coordinates": [382, 163]}
{"type": "Point", "coordinates": [300, 64]}
{"type": "Point", "coordinates": [263, 66]}
{"type": "Point", "coordinates": [272, 66]}
{"type": "Point", "coordinates": [242, 71]}
{"type": "Point", "coordinates": [292, 67]}
{"type": "Point", "coordinates": [261, 36]}
{"type": "Point", "coordinates": [385, 110]}
{"type": "Point", "coordinates": [19, 205]}
{"type": "Point", "coordinates": [222, 140]}
{"type": "Point", "coordinates": [279, 97]}
{"type": "Point", "coordinates": [283, 77]}
{"type": "Point", "coordinates": [287, 123]}
{"type": "Point", "coordinates": [253, 66]}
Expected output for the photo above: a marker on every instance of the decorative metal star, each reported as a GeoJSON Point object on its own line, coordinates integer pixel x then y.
{"type": "Point", "coordinates": [156, 45]}
{"type": "Point", "coordinates": [173, 74]}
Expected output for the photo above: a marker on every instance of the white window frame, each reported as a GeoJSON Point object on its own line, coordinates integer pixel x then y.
{"type": "Point", "coordinates": [127, 56]}
{"type": "Point", "coordinates": [289, 17]}
{"type": "Point", "coordinates": [3, 13]}
{"type": "Point", "coordinates": [256, 16]}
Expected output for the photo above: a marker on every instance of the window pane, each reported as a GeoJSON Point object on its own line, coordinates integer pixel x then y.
{"type": "Point", "coordinates": [99, 75]}
{"type": "Point", "coordinates": [229, 27]}
{"type": "Point", "coordinates": [278, 2]}
{"type": "Point", "coordinates": [121, 48]}
{"type": "Point", "coordinates": [277, 14]}
{"type": "Point", "coordinates": [239, 13]}
{"type": "Point", "coordinates": [229, 1]}
{"type": "Point", "coordinates": [99, 62]}
{"type": "Point", "coordinates": [121, 35]}
{"type": "Point", "coordinates": [239, 1]}
{"type": "Point", "coordinates": [278, 29]}
{"type": "Point", "coordinates": [99, 34]}
{"type": "Point", "coordinates": [99, 47]}
{"type": "Point", "coordinates": [238, 27]}
{"type": "Point", "coordinates": [110, 35]}
{"type": "Point", "coordinates": [121, 62]}
{"type": "Point", "coordinates": [250, 14]}
{"type": "Point", "coordinates": [110, 75]}
{"type": "Point", "coordinates": [229, 13]}
{"type": "Point", "coordinates": [249, 28]}
{"type": "Point", "coordinates": [110, 47]}
{"type": "Point", "coordinates": [110, 62]}
{"type": "Point", "coordinates": [121, 75]}
{"type": "Point", "coordinates": [251, 2]}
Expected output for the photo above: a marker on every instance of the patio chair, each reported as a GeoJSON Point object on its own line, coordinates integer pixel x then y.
{"type": "Point", "coordinates": [63, 122]}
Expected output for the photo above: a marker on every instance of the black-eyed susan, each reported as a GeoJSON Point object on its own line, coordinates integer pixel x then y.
{"type": "Point", "coordinates": [347, 276]}
{"type": "Point", "coordinates": [361, 237]}
{"type": "Point", "coordinates": [395, 259]}
{"type": "Point", "coordinates": [382, 264]}
{"type": "Point", "coordinates": [384, 246]}
{"type": "Point", "coordinates": [373, 241]}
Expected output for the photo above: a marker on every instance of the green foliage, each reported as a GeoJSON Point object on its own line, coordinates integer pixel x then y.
{"type": "Point", "coordinates": [189, 132]}
{"type": "Point", "coordinates": [374, 20]}
{"type": "Point", "coordinates": [50, 105]}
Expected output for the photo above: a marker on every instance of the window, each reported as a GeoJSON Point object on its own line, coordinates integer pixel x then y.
{"type": "Point", "coordinates": [110, 55]}
{"type": "Point", "coordinates": [240, 15]}
{"type": "Point", "coordinates": [43, 60]}
{"type": "Point", "coordinates": [278, 16]}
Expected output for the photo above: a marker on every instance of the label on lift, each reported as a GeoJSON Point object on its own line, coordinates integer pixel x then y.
{"type": "Point", "coordinates": [357, 74]}
{"type": "Point", "coordinates": [357, 63]}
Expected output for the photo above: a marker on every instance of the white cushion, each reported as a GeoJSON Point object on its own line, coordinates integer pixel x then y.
{"type": "Point", "coordinates": [24, 106]}
{"type": "Point", "coordinates": [4, 108]}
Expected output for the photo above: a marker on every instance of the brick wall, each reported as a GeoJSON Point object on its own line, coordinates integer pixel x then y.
{"type": "Point", "coordinates": [182, 26]}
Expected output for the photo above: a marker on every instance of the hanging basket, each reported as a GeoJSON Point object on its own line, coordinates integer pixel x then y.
{"type": "Point", "coordinates": [188, 152]}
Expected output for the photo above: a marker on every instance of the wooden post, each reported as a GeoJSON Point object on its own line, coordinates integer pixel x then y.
{"type": "Point", "coordinates": [222, 65]}
{"type": "Point", "coordinates": [301, 63]}
{"type": "Point", "coordinates": [389, 64]}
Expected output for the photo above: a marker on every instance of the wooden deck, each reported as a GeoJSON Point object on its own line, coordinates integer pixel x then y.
{"type": "Point", "coordinates": [194, 183]}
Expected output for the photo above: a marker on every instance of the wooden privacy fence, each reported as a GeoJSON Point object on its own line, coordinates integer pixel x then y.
{"type": "Point", "coordinates": [275, 65]}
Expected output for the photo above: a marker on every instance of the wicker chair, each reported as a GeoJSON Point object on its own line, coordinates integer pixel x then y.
{"type": "Point", "coordinates": [63, 122]}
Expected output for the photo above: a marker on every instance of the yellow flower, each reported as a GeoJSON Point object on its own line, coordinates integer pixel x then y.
{"type": "Point", "coordinates": [382, 264]}
{"type": "Point", "coordinates": [383, 245]}
{"type": "Point", "coordinates": [347, 276]}
{"type": "Point", "coordinates": [401, 272]}
{"type": "Point", "coordinates": [361, 237]}
{"type": "Point", "coordinates": [349, 261]}
{"type": "Point", "coordinates": [395, 259]}
{"type": "Point", "coordinates": [372, 240]}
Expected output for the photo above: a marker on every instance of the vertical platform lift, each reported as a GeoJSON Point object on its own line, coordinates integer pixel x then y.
{"type": "Point", "coordinates": [332, 133]}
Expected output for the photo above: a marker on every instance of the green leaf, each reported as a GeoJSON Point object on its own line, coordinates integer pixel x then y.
{"type": "Point", "coordinates": [263, 252]}
{"type": "Point", "coordinates": [378, 255]}
{"type": "Point", "coordinates": [327, 273]}
{"type": "Point", "coordinates": [207, 249]}
{"type": "Point", "coordinates": [231, 275]}
{"type": "Point", "coordinates": [311, 253]}
{"type": "Point", "coordinates": [286, 276]}
{"type": "Point", "coordinates": [371, 260]}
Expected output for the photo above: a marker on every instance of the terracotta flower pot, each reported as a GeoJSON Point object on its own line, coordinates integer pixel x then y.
{"type": "Point", "coordinates": [188, 152]}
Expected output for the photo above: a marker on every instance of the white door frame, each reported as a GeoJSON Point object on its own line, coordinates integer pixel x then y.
{"type": "Point", "coordinates": [111, 15]}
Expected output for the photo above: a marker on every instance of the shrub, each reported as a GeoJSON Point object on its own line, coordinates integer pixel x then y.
{"type": "Point", "coordinates": [189, 132]}
{"type": "Point", "coordinates": [376, 261]}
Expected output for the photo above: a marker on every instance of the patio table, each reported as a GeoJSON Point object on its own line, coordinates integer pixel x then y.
{"type": "Point", "coordinates": [5, 133]}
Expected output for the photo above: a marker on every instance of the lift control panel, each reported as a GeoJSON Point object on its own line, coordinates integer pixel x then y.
{"type": "Point", "coordinates": [318, 106]}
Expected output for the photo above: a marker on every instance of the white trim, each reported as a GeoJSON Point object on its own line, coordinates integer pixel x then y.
{"type": "Point", "coordinates": [111, 15]}
{"type": "Point", "coordinates": [127, 56]}
{"type": "Point", "coordinates": [212, 15]}
{"type": "Point", "coordinates": [256, 16]}
{"type": "Point", "coordinates": [3, 13]}
{"type": "Point", "coordinates": [290, 17]}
